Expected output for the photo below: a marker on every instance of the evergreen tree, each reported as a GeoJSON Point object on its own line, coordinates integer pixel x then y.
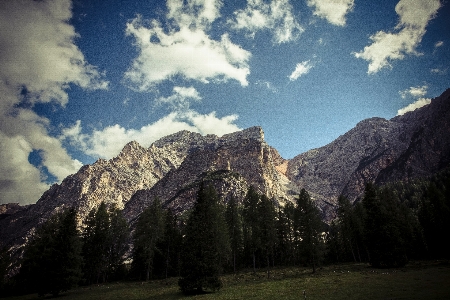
{"type": "Point", "coordinates": [387, 231]}
{"type": "Point", "coordinates": [346, 221]}
{"type": "Point", "coordinates": [118, 238]}
{"type": "Point", "coordinates": [285, 233]}
{"type": "Point", "coordinates": [309, 228]}
{"type": "Point", "coordinates": [434, 216]}
{"type": "Point", "coordinates": [205, 244]}
{"type": "Point", "coordinates": [251, 226]}
{"type": "Point", "coordinates": [52, 260]}
{"type": "Point", "coordinates": [234, 224]}
{"type": "Point", "coordinates": [148, 234]}
{"type": "Point", "coordinates": [268, 234]}
{"type": "Point", "coordinates": [166, 261]}
{"type": "Point", "coordinates": [96, 240]}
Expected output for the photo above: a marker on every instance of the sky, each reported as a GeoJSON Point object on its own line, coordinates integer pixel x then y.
{"type": "Point", "coordinates": [80, 79]}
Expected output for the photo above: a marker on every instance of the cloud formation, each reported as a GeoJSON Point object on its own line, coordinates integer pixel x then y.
{"type": "Point", "coordinates": [413, 106]}
{"type": "Point", "coordinates": [39, 60]}
{"type": "Point", "coordinates": [406, 36]}
{"type": "Point", "coordinates": [276, 16]}
{"type": "Point", "coordinates": [334, 11]}
{"type": "Point", "coordinates": [108, 142]}
{"type": "Point", "coordinates": [185, 48]}
{"type": "Point", "coordinates": [180, 99]}
{"type": "Point", "coordinates": [300, 70]}
{"type": "Point", "coordinates": [417, 93]}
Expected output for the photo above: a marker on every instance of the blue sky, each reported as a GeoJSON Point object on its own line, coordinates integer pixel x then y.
{"type": "Point", "coordinates": [80, 79]}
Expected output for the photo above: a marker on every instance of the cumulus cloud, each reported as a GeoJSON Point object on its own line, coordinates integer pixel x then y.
{"type": "Point", "coordinates": [413, 106]}
{"type": "Point", "coordinates": [300, 70]}
{"type": "Point", "coordinates": [276, 16]}
{"type": "Point", "coordinates": [406, 36]}
{"type": "Point", "coordinates": [39, 60]}
{"type": "Point", "coordinates": [334, 11]}
{"type": "Point", "coordinates": [109, 141]}
{"type": "Point", "coordinates": [185, 48]}
{"type": "Point", "coordinates": [418, 91]}
{"type": "Point", "coordinates": [180, 99]}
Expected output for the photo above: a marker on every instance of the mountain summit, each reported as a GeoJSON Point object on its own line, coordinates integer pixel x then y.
{"type": "Point", "coordinates": [376, 150]}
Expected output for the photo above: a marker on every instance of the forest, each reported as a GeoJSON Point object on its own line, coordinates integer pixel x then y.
{"type": "Point", "coordinates": [389, 226]}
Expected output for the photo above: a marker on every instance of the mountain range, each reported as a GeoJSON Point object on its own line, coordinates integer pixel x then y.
{"type": "Point", "coordinates": [413, 145]}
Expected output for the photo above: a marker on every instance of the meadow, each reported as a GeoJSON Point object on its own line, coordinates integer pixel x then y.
{"type": "Point", "coordinates": [417, 280]}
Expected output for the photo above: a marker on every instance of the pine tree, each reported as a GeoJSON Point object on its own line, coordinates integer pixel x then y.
{"type": "Point", "coordinates": [285, 232]}
{"type": "Point", "coordinates": [268, 234]}
{"type": "Point", "coordinates": [234, 224]}
{"type": "Point", "coordinates": [387, 228]}
{"type": "Point", "coordinates": [251, 226]}
{"type": "Point", "coordinates": [52, 260]}
{"type": "Point", "coordinates": [309, 228]}
{"type": "Point", "coordinates": [118, 239]}
{"type": "Point", "coordinates": [96, 237]}
{"type": "Point", "coordinates": [205, 244]}
{"type": "Point", "coordinates": [148, 234]}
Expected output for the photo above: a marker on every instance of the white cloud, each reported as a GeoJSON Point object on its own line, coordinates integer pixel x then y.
{"type": "Point", "coordinates": [413, 106]}
{"type": "Point", "coordinates": [109, 141]}
{"type": "Point", "coordinates": [185, 48]}
{"type": "Point", "coordinates": [439, 71]}
{"type": "Point", "coordinates": [301, 69]}
{"type": "Point", "coordinates": [334, 11]}
{"type": "Point", "coordinates": [415, 92]}
{"type": "Point", "coordinates": [276, 16]}
{"type": "Point", "coordinates": [387, 46]}
{"type": "Point", "coordinates": [38, 58]}
{"type": "Point", "coordinates": [439, 44]}
{"type": "Point", "coordinates": [267, 84]}
{"type": "Point", "coordinates": [179, 100]}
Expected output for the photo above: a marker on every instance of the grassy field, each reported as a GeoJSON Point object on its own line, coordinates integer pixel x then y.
{"type": "Point", "coordinates": [418, 280]}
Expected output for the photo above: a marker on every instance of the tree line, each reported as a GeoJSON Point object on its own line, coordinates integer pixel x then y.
{"type": "Point", "coordinates": [387, 227]}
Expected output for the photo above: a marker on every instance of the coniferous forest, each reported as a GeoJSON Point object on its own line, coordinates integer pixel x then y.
{"type": "Point", "coordinates": [389, 226]}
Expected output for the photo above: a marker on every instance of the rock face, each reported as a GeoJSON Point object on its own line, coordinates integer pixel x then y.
{"type": "Point", "coordinates": [414, 145]}
{"type": "Point", "coordinates": [171, 168]}
{"type": "Point", "coordinates": [232, 163]}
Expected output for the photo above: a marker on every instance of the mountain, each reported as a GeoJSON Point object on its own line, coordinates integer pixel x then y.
{"type": "Point", "coordinates": [376, 150]}
{"type": "Point", "coordinates": [413, 145]}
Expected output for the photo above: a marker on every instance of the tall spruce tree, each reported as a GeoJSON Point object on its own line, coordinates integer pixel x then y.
{"type": "Point", "coordinates": [309, 228]}
{"type": "Point", "coordinates": [234, 223]}
{"type": "Point", "coordinates": [119, 233]}
{"type": "Point", "coordinates": [251, 226]}
{"type": "Point", "coordinates": [52, 260]}
{"type": "Point", "coordinates": [268, 232]}
{"type": "Point", "coordinates": [205, 244]}
{"type": "Point", "coordinates": [96, 236]}
{"type": "Point", "coordinates": [387, 228]}
{"type": "Point", "coordinates": [149, 232]}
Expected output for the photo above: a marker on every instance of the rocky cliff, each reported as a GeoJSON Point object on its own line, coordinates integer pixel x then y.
{"type": "Point", "coordinates": [414, 145]}
{"type": "Point", "coordinates": [171, 168]}
{"type": "Point", "coordinates": [231, 163]}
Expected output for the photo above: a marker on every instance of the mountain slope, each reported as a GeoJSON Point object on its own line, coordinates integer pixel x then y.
{"type": "Point", "coordinates": [416, 144]}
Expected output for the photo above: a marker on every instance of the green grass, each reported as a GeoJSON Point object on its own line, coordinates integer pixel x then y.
{"type": "Point", "coordinates": [418, 280]}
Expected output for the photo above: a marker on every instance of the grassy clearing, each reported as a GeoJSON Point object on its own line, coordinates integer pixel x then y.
{"type": "Point", "coordinates": [418, 280]}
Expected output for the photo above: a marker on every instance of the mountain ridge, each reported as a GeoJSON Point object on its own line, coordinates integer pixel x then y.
{"type": "Point", "coordinates": [375, 150]}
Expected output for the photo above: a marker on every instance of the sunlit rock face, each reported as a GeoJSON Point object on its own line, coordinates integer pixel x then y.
{"type": "Point", "coordinates": [231, 164]}
{"type": "Point", "coordinates": [171, 168]}
{"type": "Point", "coordinates": [416, 144]}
